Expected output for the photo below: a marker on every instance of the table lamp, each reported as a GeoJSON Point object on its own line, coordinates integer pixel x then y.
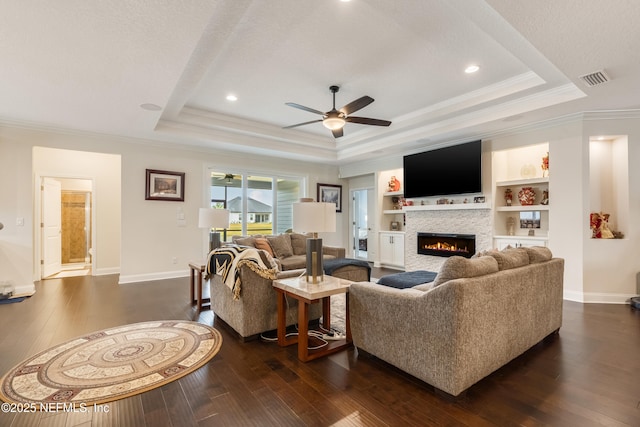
{"type": "Point", "coordinates": [314, 217]}
{"type": "Point", "coordinates": [213, 219]}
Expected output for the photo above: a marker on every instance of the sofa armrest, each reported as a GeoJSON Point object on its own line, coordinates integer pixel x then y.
{"type": "Point", "coordinates": [335, 251]}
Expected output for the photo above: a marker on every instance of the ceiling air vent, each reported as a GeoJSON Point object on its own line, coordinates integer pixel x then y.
{"type": "Point", "coordinates": [594, 79]}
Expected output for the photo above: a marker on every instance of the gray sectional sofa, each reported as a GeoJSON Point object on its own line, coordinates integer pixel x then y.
{"type": "Point", "coordinates": [476, 316]}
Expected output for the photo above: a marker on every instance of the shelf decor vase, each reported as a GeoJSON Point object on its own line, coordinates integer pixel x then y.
{"type": "Point", "coordinates": [508, 196]}
{"type": "Point", "coordinates": [526, 196]}
{"type": "Point", "coordinates": [394, 184]}
{"type": "Point", "coordinates": [545, 165]}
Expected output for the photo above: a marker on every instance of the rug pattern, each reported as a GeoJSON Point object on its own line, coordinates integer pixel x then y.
{"type": "Point", "coordinates": [112, 364]}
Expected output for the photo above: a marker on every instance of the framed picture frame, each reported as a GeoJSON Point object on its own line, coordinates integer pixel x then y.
{"type": "Point", "coordinates": [331, 193]}
{"type": "Point", "coordinates": [164, 185]}
{"type": "Point", "coordinates": [395, 226]}
{"type": "Point", "coordinates": [479, 199]}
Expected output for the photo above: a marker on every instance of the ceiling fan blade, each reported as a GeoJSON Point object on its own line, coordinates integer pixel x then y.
{"type": "Point", "coordinates": [302, 124]}
{"type": "Point", "coordinates": [302, 107]}
{"type": "Point", "coordinates": [337, 133]}
{"type": "Point", "coordinates": [354, 106]}
{"type": "Point", "coordinates": [368, 121]}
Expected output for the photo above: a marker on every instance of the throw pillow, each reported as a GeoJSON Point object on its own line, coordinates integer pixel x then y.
{"type": "Point", "coordinates": [538, 254]}
{"type": "Point", "coordinates": [281, 245]}
{"type": "Point", "coordinates": [262, 243]}
{"type": "Point", "coordinates": [511, 258]}
{"type": "Point", "coordinates": [299, 243]}
{"type": "Point", "coordinates": [457, 267]}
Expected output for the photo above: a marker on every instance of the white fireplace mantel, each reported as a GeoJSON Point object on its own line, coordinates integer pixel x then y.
{"type": "Point", "coordinates": [446, 207]}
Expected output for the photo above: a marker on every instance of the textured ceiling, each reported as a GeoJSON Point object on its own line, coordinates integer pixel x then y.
{"type": "Point", "coordinates": [89, 65]}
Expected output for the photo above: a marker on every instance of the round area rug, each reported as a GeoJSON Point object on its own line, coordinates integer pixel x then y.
{"type": "Point", "coordinates": [112, 364]}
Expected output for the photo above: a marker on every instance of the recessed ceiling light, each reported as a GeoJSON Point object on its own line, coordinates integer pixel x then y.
{"type": "Point", "coordinates": [232, 97]}
{"type": "Point", "coordinates": [471, 69]}
{"type": "Point", "coordinates": [345, 1]}
{"type": "Point", "coordinates": [150, 107]}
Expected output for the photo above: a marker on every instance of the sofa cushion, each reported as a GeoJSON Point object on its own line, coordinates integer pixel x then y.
{"type": "Point", "coordinates": [298, 243]}
{"type": "Point", "coordinates": [538, 254]}
{"type": "Point", "coordinates": [281, 245]}
{"type": "Point", "coordinates": [244, 240]}
{"type": "Point", "coordinates": [262, 243]}
{"type": "Point", "coordinates": [510, 258]}
{"type": "Point", "coordinates": [457, 267]}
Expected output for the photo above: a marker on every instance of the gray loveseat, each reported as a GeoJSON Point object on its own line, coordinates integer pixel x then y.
{"type": "Point", "coordinates": [289, 249]}
{"type": "Point", "coordinates": [476, 316]}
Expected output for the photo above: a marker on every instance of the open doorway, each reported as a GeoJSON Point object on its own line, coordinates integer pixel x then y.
{"type": "Point", "coordinates": [67, 229]}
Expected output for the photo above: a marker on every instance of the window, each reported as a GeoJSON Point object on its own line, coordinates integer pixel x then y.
{"type": "Point", "coordinates": [258, 204]}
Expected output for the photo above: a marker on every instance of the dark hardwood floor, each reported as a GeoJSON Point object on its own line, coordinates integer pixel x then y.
{"type": "Point", "coordinates": [586, 376]}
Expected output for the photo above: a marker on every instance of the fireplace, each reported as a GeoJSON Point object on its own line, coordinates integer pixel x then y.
{"type": "Point", "coordinates": [446, 245]}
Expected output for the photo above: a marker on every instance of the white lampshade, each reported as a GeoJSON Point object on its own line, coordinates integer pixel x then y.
{"type": "Point", "coordinates": [213, 218]}
{"type": "Point", "coordinates": [314, 217]}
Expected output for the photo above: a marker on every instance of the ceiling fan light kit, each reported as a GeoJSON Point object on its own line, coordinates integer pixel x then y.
{"type": "Point", "coordinates": [335, 120]}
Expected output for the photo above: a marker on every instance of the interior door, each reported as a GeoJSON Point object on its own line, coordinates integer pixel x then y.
{"type": "Point", "coordinates": [51, 227]}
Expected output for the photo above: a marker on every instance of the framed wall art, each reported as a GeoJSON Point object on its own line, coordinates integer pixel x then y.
{"type": "Point", "coordinates": [330, 193]}
{"type": "Point", "coordinates": [164, 185]}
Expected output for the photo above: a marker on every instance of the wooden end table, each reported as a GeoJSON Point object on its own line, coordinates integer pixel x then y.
{"type": "Point", "coordinates": [196, 269]}
{"type": "Point", "coordinates": [307, 294]}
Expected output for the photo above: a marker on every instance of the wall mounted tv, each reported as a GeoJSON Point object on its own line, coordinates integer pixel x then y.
{"type": "Point", "coordinates": [445, 171]}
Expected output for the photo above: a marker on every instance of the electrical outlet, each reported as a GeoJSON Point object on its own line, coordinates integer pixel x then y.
{"type": "Point", "coordinates": [20, 221]}
{"type": "Point", "coordinates": [174, 260]}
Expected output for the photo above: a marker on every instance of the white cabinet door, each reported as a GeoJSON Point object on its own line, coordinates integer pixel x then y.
{"type": "Point", "coordinates": [392, 249]}
{"type": "Point", "coordinates": [398, 249]}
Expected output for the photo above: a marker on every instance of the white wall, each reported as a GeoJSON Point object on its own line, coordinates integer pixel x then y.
{"type": "Point", "coordinates": [150, 234]}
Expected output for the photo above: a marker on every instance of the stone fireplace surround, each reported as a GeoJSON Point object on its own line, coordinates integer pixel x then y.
{"type": "Point", "coordinates": [463, 220]}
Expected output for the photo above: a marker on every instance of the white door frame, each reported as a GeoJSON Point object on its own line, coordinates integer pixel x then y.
{"type": "Point", "coordinates": [37, 221]}
{"type": "Point", "coordinates": [372, 240]}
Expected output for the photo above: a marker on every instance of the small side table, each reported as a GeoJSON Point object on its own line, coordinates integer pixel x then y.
{"type": "Point", "coordinates": [307, 294]}
{"type": "Point", "coordinates": [196, 269]}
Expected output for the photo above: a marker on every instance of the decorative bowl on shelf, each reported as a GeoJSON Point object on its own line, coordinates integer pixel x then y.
{"type": "Point", "coordinates": [526, 196]}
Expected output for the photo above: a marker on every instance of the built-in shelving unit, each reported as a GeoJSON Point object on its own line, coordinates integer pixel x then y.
{"type": "Point", "coordinates": [513, 169]}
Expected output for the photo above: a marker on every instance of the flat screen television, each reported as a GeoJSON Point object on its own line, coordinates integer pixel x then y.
{"type": "Point", "coordinates": [445, 171]}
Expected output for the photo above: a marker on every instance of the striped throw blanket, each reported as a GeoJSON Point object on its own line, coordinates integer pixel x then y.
{"type": "Point", "coordinates": [227, 260]}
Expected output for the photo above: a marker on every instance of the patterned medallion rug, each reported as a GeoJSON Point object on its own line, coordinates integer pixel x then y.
{"type": "Point", "coordinates": [112, 364]}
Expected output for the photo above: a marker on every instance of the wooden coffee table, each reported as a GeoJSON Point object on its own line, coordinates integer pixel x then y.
{"type": "Point", "coordinates": [307, 294]}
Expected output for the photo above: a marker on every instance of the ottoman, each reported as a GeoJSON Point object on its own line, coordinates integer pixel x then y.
{"type": "Point", "coordinates": [355, 270]}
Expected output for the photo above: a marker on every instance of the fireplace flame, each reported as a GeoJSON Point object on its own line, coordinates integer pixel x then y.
{"type": "Point", "coordinates": [443, 246]}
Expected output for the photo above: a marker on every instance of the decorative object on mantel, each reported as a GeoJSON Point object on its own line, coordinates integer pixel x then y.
{"type": "Point", "coordinates": [394, 184]}
{"type": "Point", "coordinates": [508, 196]}
{"type": "Point", "coordinates": [599, 223]}
{"type": "Point", "coordinates": [526, 196]}
{"type": "Point", "coordinates": [511, 223]}
{"type": "Point", "coordinates": [545, 197]}
{"type": "Point", "coordinates": [442, 202]}
{"type": "Point", "coordinates": [528, 171]}
{"type": "Point", "coordinates": [397, 203]}
{"type": "Point", "coordinates": [478, 199]}
{"type": "Point", "coordinates": [545, 165]}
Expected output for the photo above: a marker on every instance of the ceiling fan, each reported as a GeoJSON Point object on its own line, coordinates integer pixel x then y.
{"type": "Point", "coordinates": [335, 120]}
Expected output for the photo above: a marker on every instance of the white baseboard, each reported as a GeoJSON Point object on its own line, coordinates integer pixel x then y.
{"type": "Point", "coordinates": [133, 278]}
{"type": "Point", "coordinates": [25, 289]}
{"type": "Point", "coordinates": [597, 297]}
{"type": "Point", "coordinates": [106, 271]}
